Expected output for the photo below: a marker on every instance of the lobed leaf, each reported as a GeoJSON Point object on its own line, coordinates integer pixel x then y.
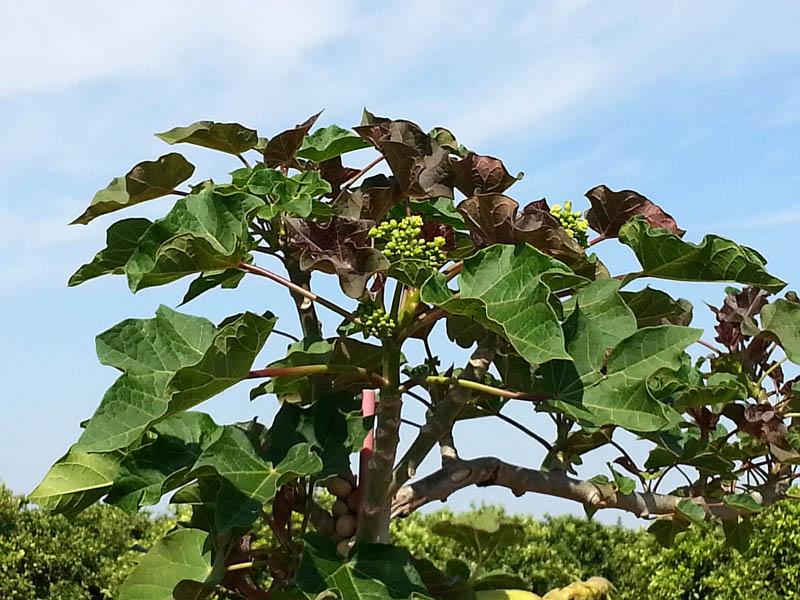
{"type": "Point", "coordinates": [665, 255]}
{"type": "Point", "coordinates": [780, 321]}
{"type": "Point", "coordinates": [183, 555]}
{"type": "Point", "coordinates": [145, 181]}
{"type": "Point", "coordinates": [281, 149]}
{"type": "Point", "coordinates": [225, 137]}
{"type": "Point", "coordinates": [169, 363]}
{"type": "Point", "coordinates": [502, 287]}
{"type": "Point", "coordinates": [476, 174]}
{"type": "Point", "coordinates": [122, 239]}
{"type": "Point", "coordinates": [653, 307]}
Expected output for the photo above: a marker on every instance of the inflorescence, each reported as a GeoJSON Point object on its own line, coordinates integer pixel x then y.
{"type": "Point", "coordinates": [374, 320]}
{"type": "Point", "coordinates": [573, 223]}
{"type": "Point", "coordinates": [403, 241]}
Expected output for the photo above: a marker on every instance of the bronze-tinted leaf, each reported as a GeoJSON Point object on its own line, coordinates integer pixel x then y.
{"type": "Point", "coordinates": [224, 137]}
{"type": "Point", "coordinates": [482, 175]}
{"type": "Point", "coordinates": [611, 210]}
{"type": "Point", "coordinates": [340, 247]}
{"type": "Point", "coordinates": [335, 173]}
{"type": "Point", "coordinates": [281, 149]}
{"type": "Point", "coordinates": [372, 200]}
{"type": "Point", "coordinates": [422, 167]}
{"type": "Point", "coordinates": [738, 312]}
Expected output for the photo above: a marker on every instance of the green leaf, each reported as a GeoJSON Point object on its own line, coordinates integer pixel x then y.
{"type": "Point", "coordinates": [371, 571]}
{"type": "Point", "coordinates": [122, 239]}
{"type": "Point", "coordinates": [721, 388]}
{"type": "Point", "coordinates": [665, 530]}
{"type": "Point", "coordinates": [663, 254]}
{"type": "Point", "coordinates": [497, 580]}
{"type": "Point", "coordinates": [333, 425]}
{"type": "Point", "coordinates": [441, 585]}
{"type": "Point", "coordinates": [780, 320]}
{"type": "Point", "coordinates": [294, 195]}
{"type": "Point", "coordinates": [502, 288]}
{"type": "Point", "coordinates": [146, 181]}
{"type": "Point", "coordinates": [738, 533]}
{"type": "Point", "coordinates": [76, 481]}
{"type": "Point", "coordinates": [624, 484]}
{"type": "Point", "coordinates": [206, 231]}
{"type": "Point", "coordinates": [691, 511]}
{"type": "Point", "coordinates": [169, 363]}
{"type": "Point", "coordinates": [621, 397]}
{"type": "Point", "coordinates": [743, 502]}
{"type": "Point", "coordinates": [182, 555]}
{"type": "Point", "coordinates": [225, 137]}
{"type": "Point", "coordinates": [162, 465]}
{"type": "Point", "coordinates": [329, 142]}
{"type": "Point", "coordinates": [413, 273]}
{"type": "Point", "coordinates": [653, 307]}
{"type": "Point", "coordinates": [227, 279]}
{"type": "Point", "coordinates": [252, 480]}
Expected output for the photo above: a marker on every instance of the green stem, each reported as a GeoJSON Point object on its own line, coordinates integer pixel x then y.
{"type": "Point", "coordinates": [480, 387]}
{"type": "Point", "coordinates": [248, 565]}
{"type": "Point", "coordinates": [373, 518]}
{"type": "Point", "coordinates": [766, 373]}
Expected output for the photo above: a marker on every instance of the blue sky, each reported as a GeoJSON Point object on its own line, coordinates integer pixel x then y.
{"type": "Point", "coordinates": [695, 105]}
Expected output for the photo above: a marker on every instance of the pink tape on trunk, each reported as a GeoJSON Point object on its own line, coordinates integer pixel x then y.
{"type": "Point", "coordinates": [367, 410]}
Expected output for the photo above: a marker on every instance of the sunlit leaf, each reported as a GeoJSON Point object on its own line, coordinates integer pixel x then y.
{"type": "Point", "coordinates": [780, 320]}
{"type": "Point", "coordinates": [122, 239]}
{"type": "Point", "coordinates": [330, 142]}
{"type": "Point", "coordinates": [611, 210]}
{"type": "Point", "coordinates": [225, 137]}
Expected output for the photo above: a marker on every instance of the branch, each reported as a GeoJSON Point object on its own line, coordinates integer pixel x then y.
{"type": "Point", "coordinates": [306, 370]}
{"type": "Point", "coordinates": [458, 474]}
{"type": "Point", "coordinates": [486, 389]}
{"type": "Point", "coordinates": [440, 421]}
{"type": "Point", "coordinates": [299, 290]}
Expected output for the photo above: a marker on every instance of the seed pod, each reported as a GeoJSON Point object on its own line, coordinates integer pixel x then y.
{"type": "Point", "coordinates": [346, 526]}
{"type": "Point", "coordinates": [354, 502]}
{"type": "Point", "coordinates": [340, 508]}
{"type": "Point", "coordinates": [344, 547]}
{"type": "Point", "coordinates": [339, 487]}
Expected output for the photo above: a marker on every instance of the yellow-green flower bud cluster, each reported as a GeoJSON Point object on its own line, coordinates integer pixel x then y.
{"type": "Point", "coordinates": [374, 320]}
{"type": "Point", "coordinates": [403, 241]}
{"type": "Point", "coordinates": [573, 223]}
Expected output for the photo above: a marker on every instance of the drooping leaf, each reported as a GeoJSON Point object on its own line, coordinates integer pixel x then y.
{"type": "Point", "coordinates": [611, 210]}
{"type": "Point", "coordinates": [780, 321]}
{"type": "Point", "coordinates": [333, 425]}
{"type": "Point", "coordinates": [666, 529]}
{"type": "Point", "coordinates": [476, 174]}
{"type": "Point", "coordinates": [77, 480]}
{"type": "Point", "coordinates": [146, 181]}
{"type": "Point", "coordinates": [736, 316]}
{"type": "Point", "coordinates": [162, 465]}
{"type": "Point", "coordinates": [621, 397]}
{"type": "Point", "coordinates": [184, 554]}
{"type": "Point", "coordinates": [422, 167]}
{"type": "Point", "coordinates": [122, 239]}
{"type": "Point", "coordinates": [169, 363]}
{"type": "Point", "coordinates": [225, 137]}
{"type": "Point", "coordinates": [738, 533]}
{"type": "Point", "coordinates": [441, 585]}
{"type": "Point", "coordinates": [340, 247]}
{"type": "Point", "coordinates": [624, 484]}
{"type": "Point", "coordinates": [370, 572]}
{"type": "Point", "coordinates": [206, 231]}
{"type": "Point", "coordinates": [250, 481]}
{"type": "Point", "coordinates": [744, 502]}
{"type": "Point", "coordinates": [663, 254]}
{"type": "Point", "coordinates": [691, 511]}
{"type": "Point", "coordinates": [281, 149]}
{"type": "Point", "coordinates": [502, 288]}
{"type": "Point", "coordinates": [330, 142]}
{"type": "Point", "coordinates": [227, 279]}
{"type": "Point", "coordinates": [654, 307]}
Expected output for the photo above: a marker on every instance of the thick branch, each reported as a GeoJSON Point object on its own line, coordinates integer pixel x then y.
{"type": "Point", "coordinates": [440, 421]}
{"type": "Point", "coordinates": [458, 474]}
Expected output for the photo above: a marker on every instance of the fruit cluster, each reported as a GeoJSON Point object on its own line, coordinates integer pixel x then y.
{"type": "Point", "coordinates": [342, 527]}
{"type": "Point", "coordinates": [374, 320]}
{"type": "Point", "coordinates": [403, 240]}
{"type": "Point", "coordinates": [572, 222]}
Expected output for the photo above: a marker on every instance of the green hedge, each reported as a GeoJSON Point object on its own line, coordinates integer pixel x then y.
{"type": "Point", "coordinates": [43, 557]}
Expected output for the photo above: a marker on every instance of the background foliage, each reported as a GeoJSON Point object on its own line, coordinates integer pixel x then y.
{"type": "Point", "coordinates": [47, 557]}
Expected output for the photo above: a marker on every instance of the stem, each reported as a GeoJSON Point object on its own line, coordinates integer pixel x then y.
{"type": "Point", "coordinates": [398, 293]}
{"type": "Point", "coordinates": [524, 430]}
{"type": "Point", "coordinates": [624, 453]}
{"type": "Point", "coordinates": [480, 387]}
{"type": "Point", "coordinates": [423, 322]}
{"type": "Point", "coordinates": [305, 370]}
{"type": "Point", "coordinates": [597, 240]}
{"type": "Point", "coordinates": [248, 565]}
{"type": "Point", "coordinates": [285, 334]}
{"type": "Point", "coordinates": [766, 373]}
{"type": "Point", "coordinates": [179, 193]}
{"type": "Point", "coordinates": [419, 398]}
{"type": "Point", "coordinates": [298, 290]}
{"type": "Point", "coordinates": [355, 177]}
{"type": "Point", "coordinates": [244, 161]}
{"type": "Point", "coordinates": [412, 423]}
{"type": "Point", "coordinates": [709, 346]}
{"type": "Point", "coordinates": [373, 518]}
